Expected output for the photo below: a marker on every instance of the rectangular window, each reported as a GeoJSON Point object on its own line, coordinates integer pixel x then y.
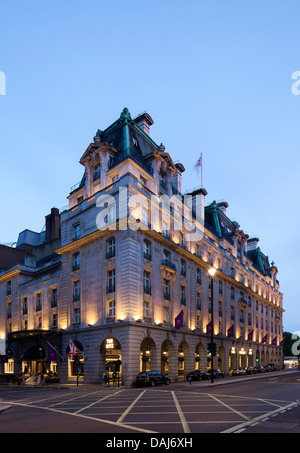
{"type": "Point", "coordinates": [182, 295]}
{"type": "Point", "coordinates": [220, 287]}
{"type": "Point", "coordinates": [166, 314]}
{"type": "Point", "coordinates": [220, 309]}
{"type": "Point", "coordinates": [25, 306]}
{"type": "Point", "coordinates": [166, 287]}
{"type": "Point", "coordinates": [76, 231]}
{"type": "Point", "coordinates": [111, 248]}
{"type": "Point", "coordinates": [38, 302]}
{"type": "Point", "coordinates": [111, 308]}
{"type": "Point", "coordinates": [76, 291]}
{"type": "Point", "coordinates": [232, 292]}
{"type": "Point", "coordinates": [111, 281]}
{"type": "Point", "coordinates": [198, 301]}
{"type": "Point", "coordinates": [9, 310]}
{"type": "Point", "coordinates": [96, 172]}
{"type": "Point", "coordinates": [8, 288]}
{"type": "Point", "coordinates": [54, 297]}
{"type": "Point", "coordinates": [147, 309]}
{"type": "Point", "coordinates": [147, 282]}
{"type": "Point", "coordinates": [76, 261]}
{"type": "Point", "coordinates": [76, 316]}
{"type": "Point", "coordinates": [199, 279]}
{"type": "Point", "coordinates": [54, 319]}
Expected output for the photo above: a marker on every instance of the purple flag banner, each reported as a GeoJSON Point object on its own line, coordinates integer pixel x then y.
{"type": "Point", "coordinates": [250, 335]}
{"type": "Point", "coordinates": [282, 343]}
{"type": "Point", "coordinates": [274, 341]}
{"type": "Point", "coordinates": [179, 320]}
{"type": "Point", "coordinates": [209, 327]}
{"type": "Point", "coordinates": [52, 356]}
{"type": "Point", "coordinates": [230, 331]}
{"type": "Point", "coordinates": [264, 340]}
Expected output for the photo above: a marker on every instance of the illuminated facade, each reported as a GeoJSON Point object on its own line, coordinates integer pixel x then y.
{"type": "Point", "coordinates": [122, 267]}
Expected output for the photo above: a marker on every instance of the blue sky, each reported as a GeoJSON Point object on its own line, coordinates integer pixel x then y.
{"type": "Point", "coordinates": [216, 78]}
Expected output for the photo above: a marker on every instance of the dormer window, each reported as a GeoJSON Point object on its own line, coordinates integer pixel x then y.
{"type": "Point", "coordinates": [96, 173]}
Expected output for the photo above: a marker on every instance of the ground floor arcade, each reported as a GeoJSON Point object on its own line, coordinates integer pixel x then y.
{"type": "Point", "coordinates": [123, 351]}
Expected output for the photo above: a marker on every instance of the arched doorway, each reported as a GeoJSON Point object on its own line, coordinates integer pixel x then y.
{"type": "Point", "coordinates": [221, 359]}
{"type": "Point", "coordinates": [112, 354]}
{"type": "Point", "coordinates": [167, 357]}
{"type": "Point", "coordinates": [200, 362]}
{"type": "Point", "coordinates": [147, 355]}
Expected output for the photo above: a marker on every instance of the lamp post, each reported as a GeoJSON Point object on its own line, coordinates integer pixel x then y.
{"type": "Point", "coordinates": [212, 272]}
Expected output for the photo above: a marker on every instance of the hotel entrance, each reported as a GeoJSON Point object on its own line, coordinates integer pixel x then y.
{"type": "Point", "coordinates": [111, 348]}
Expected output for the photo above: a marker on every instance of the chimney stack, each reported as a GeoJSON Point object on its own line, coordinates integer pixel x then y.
{"type": "Point", "coordinates": [144, 121]}
{"type": "Point", "coordinates": [52, 225]}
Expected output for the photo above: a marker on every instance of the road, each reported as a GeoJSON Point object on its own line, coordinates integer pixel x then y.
{"type": "Point", "coordinates": [268, 403]}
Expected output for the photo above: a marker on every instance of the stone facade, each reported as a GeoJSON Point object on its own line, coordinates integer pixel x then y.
{"type": "Point", "coordinates": [124, 267]}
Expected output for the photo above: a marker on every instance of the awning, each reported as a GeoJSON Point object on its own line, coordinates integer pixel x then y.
{"type": "Point", "coordinates": [34, 353]}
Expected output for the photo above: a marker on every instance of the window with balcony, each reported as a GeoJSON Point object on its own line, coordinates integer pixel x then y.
{"type": "Point", "coordinates": [220, 309]}
{"type": "Point", "coordinates": [183, 268]}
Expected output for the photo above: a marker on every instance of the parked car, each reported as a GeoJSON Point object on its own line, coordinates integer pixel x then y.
{"type": "Point", "coordinates": [196, 375]}
{"type": "Point", "coordinates": [152, 378]}
{"type": "Point", "coordinates": [261, 369]}
{"type": "Point", "coordinates": [216, 374]}
{"type": "Point", "coordinates": [269, 368]}
{"type": "Point", "coordinates": [250, 370]}
{"type": "Point", "coordinates": [238, 372]}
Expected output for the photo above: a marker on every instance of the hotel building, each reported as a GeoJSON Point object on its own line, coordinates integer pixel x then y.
{"type": "Point", "coordinates": [115, 269]}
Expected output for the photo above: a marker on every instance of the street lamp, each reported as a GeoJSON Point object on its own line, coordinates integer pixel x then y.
{"type": "Point", "coordinates": [212, 272]}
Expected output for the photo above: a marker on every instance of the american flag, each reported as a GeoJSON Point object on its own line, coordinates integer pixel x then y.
{"type": "Point", "coordinates": [72, 350]}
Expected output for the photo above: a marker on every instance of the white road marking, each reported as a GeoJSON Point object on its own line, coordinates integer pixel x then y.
{"type": "Point", "coordinates": [130, 407]}
{"type": "Point", "coordinates": [185, 426]}
{"type": "Point", "coordinates": [259, 418]}
{"type": "Point", "coordinates": [230, 408]}
{"type": "Point", "coordinates": [51, 409]}
{"type": "Point", "coordinates": [98, 401]}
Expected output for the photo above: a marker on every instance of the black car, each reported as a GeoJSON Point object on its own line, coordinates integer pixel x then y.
{"type": "Point", "coordinates": [216, 374]}
{"type": "Point", "coordinates": [152, 378]}
{"type": "Point", "coordinates": [196, 375]}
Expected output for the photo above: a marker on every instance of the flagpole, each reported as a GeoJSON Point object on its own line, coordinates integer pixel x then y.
{"type": "Point", "coordinates": [55, 350]}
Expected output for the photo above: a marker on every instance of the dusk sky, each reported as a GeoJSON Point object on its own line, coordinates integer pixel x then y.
{"type": "Point", "coordinates": [216, 77]}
